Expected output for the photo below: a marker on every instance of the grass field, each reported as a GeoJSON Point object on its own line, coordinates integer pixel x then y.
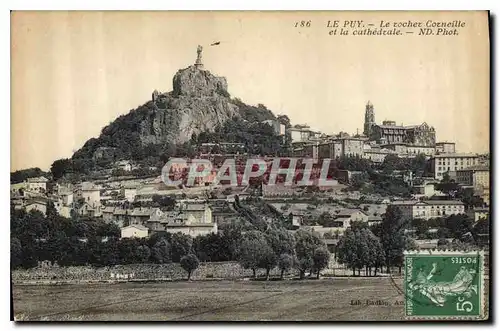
{"type": "Point", "coordinates": [307, 300]}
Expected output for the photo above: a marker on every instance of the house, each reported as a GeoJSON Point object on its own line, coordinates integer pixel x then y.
{"type": "Point", "coordinates": [426, 190]}
{"type": "Point", "coordinates": [428, 209]}
{"type": "Point", "coordinates": [107, 214]}
{"type": "Point", "coordinates": [90, 193]}
{"type": "Point", "coordinates": [190, 219]}
{"type": "Point", "coordinates": [37, 184]}
{"type": "Point", "coordinates": [354, 215]}
{"type": "Point", "coordinates": [129, 191]}
{"type": "Point", "coordinates": [140, 215]}
{"type": "Point", "coordinates": [86, 209]}
{"type": "Point", "coordinates": [18, 189]}
{"type": "Point", "coordinates": [446, 163]}
{"type": "Point", "coordinates": [342, 221]}
{"type": "Point", "coordinates": [120, 216]}
{"type": "Point", "coordinates": [134, 231]}
{"type": "Point", "coordinates": [62, 209]}
{"type": "Point", "coordinates": [372, 220]}
{"type": "Point", "coordinates": [124, 165]}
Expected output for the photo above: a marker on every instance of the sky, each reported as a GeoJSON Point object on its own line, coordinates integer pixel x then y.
{"type": "Point", "coordinates": [72, 73]}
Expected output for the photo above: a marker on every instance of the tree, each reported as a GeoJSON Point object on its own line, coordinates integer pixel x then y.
{"type": "Point", "coordinates": [392, 236]}
{"type": "Point", "coordinates": [321, 258]}
{"type": "Point", "coordinates": [189, 263]}
{"type": "Point", "coordinates": [285, 262]}
{"type": "Point", "coordinates": [481, 231]}
{"type": "Point", "coordinates": [346, 250]}
{"type": "Point", "coordinates": [16, 253]}
{"type": "Point", "coordinates": [459, 225]}
{"type": "Point", "coordinates": [212, 247]}
{"type": "Point", "coordinates": [127, 249]}
{"type": "Point", "coordinates": [181, 245]}
{"type": "Point", "coordinates": [267, 259]}
{"type": "Point", "coordinates": [418, 164]}
{"type": "Point", "coordinates": [281, 241]}
{"type": "Point", "coordinates": [359, 248]}
{"type": "Point", "coordinates": [143, 253]}
{"type": "Point", "coordinates": [161, 252]}
{"type": "Point", "coordinates": [359, 180]}
{"type": "Point", "coordinates": [252, 250]}
{"type": "Point", "coordinates": [305, 245]}
{"type": "Point", "coordinates": [447, 185]}
{"type": "Point", "coordinates": [60, 167]}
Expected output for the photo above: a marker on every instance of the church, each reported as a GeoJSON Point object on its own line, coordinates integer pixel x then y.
{"type": "Point", "coordinates": [390, 133]}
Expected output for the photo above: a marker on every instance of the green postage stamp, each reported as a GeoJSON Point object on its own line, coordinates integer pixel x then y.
{"type": "Point", "coordinates": [444, 285]}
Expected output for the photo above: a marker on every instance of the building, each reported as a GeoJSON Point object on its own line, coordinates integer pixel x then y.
{"type": "Point", "coordinates": [446, 163]}
{"type": "Point", "coordinates": [302, 133]}
{"type": "Point", "coordinates": [140, 215]}
{"type": "Point", "coordinates": [445, 147]}
{"type": "Point", "coordinates": [476, 176]}
{"type": "Point", "coordinates": [390, 133]}
{"type": "Point", "coordinates": [129, 191]}
{"type": "Point", "coordinates": [18, 189]}
{"type": "Point", "coordinates": [342, 222]}
{"type": "Point", "coordinates": [345, 176]}
{"type": "Point", "coordinates": [134, 231]}
{"type": "Point", "coordinates": [346, 216]}
{"type": "Point", "coordinates": [64, 211]}
{"type": "Point", "coordinates": [339, 147]}
{"type": "Point", "coordinates": [375, 154]}
{"type": "Point", "coordinates": [124, 165]}
{"type": "Point", "coordinates": [39, 205]}
{"type": "Point", "coordinates": [414, 150]}
{"type": "Point", "coordinates": [191, 219]}
{"type": "Point", "coordinates": [426, 190]}
{"type": "Point", "coordinates": [428, 209]}
{"type": "Point", "coordinates": [348, 146]}
{"type": "Point", "coordinates": [37, 184]}
{"type": "Point", "coordinates": [279, 129]}
{"type": "Point", "coordinates": [90, 193]}
{"type": "Point", "coordinates": [369, 120]}
{"type": "Point", "coordinates": [399, 148]}
{"type": "Point", "coordinates": [416, 135]}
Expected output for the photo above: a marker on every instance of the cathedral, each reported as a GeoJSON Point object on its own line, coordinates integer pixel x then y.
{"type": "Point", "coordinates": [390, 133]}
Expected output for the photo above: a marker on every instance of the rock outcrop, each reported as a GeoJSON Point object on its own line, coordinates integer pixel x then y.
{"type": "Point", "coordinates": [196, 82]}
{"type": "Point", "coordinates": [198, 103]}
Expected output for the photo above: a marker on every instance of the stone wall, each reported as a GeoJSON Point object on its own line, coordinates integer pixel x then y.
{"type": "Point", "coordinates": [172, 271]}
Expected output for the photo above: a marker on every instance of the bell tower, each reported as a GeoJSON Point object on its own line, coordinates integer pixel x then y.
{"type": "Point", "coordinates": [369, 119]}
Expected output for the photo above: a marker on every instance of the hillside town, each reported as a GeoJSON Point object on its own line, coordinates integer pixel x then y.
{"type": "Point", "coordinates": [387, 175]}
{"type": "Point", "coordinates": [129, 202]}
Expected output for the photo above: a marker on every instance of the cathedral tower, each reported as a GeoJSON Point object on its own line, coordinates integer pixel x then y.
{"type": "Point", "coordinates": [369, 119]}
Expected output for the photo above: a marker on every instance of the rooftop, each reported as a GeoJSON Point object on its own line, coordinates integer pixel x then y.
{"type": "Point", "coordinates": [89, 186]}
{"type": "Point", "coordinates": [137, 226]}
{"type": "Point", "coordinates": [479, 167]}
{"type": "Point", "coordinates": [456, 155]}
{"type": "Point", "coordinates": [37, 180]}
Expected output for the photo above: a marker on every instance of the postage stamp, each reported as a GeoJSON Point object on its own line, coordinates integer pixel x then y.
{"type": "Point", "coordinates": [444, 285]}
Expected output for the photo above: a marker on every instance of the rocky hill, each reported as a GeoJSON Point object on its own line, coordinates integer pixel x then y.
{"type": "Point", "coordinates": [199, 103]}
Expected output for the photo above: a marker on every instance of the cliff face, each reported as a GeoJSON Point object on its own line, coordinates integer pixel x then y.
{"type": "Point", "coordinates": [199, 102]}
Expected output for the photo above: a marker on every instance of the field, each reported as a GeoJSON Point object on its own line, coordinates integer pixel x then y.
{"type": "Point", "coordinates": [334, 299]}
